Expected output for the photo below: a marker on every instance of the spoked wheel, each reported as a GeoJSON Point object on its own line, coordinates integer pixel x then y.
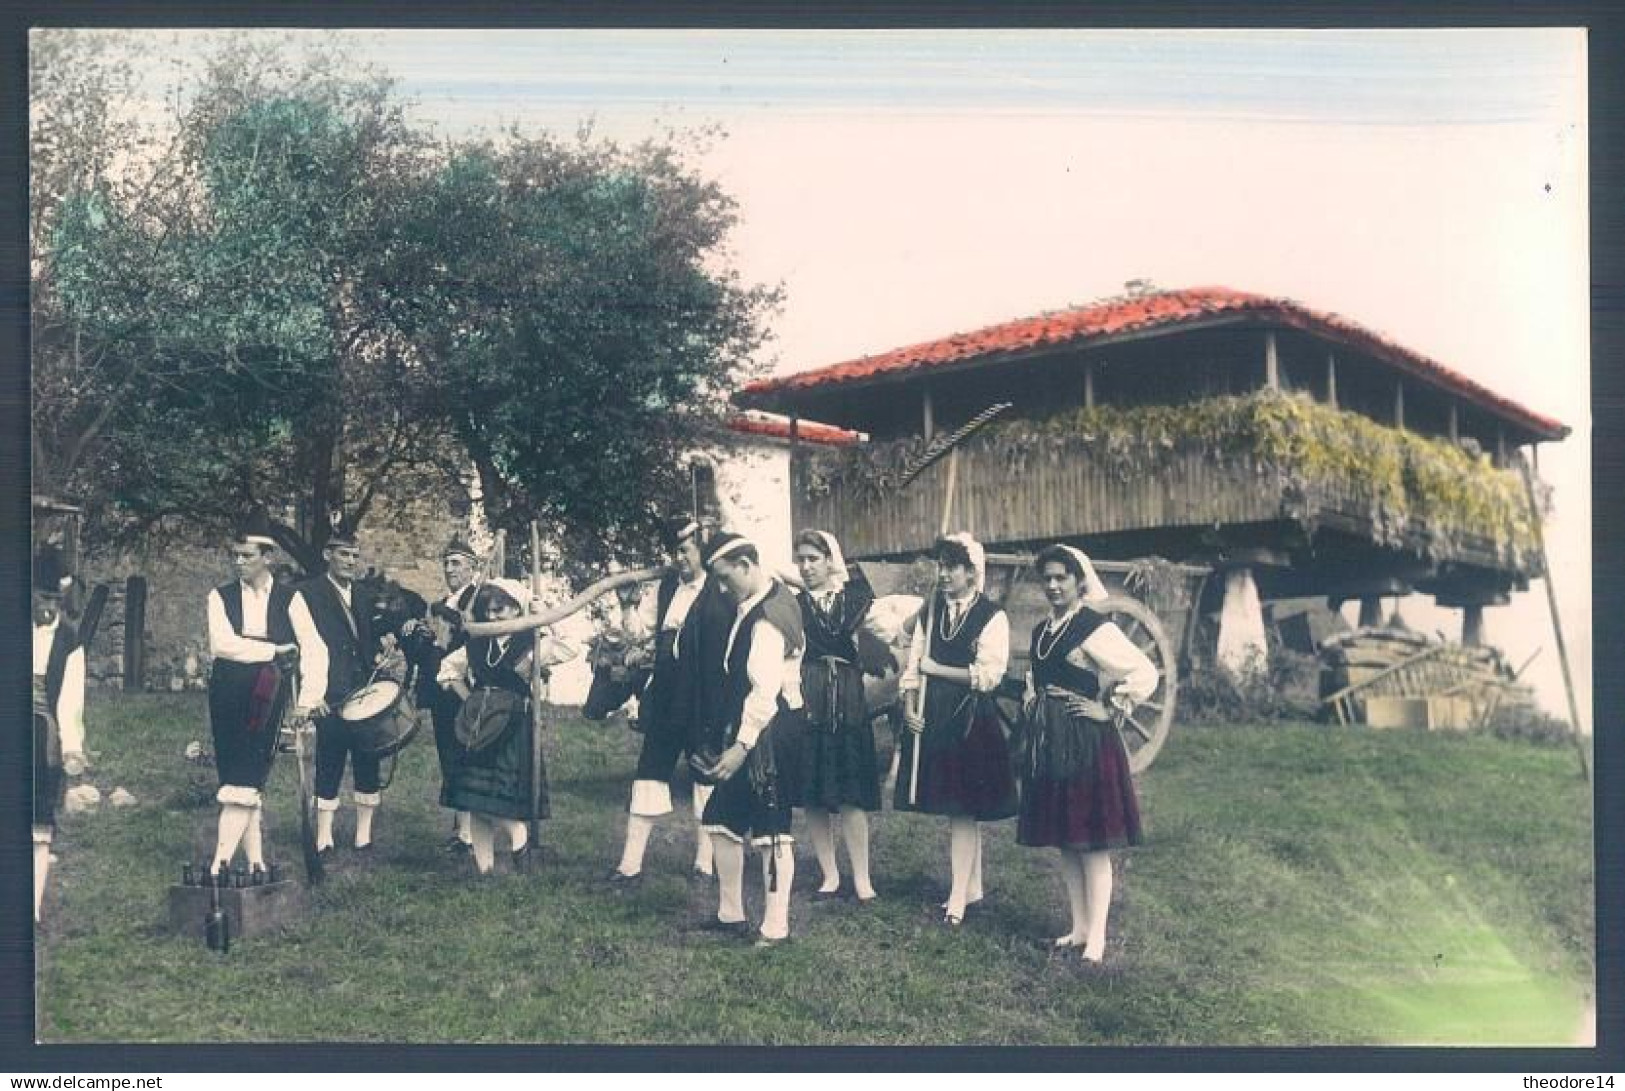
{"type": "Point", "coordinates": [1146, 729]}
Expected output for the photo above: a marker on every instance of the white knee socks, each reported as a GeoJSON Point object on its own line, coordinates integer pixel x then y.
{"type": "Point", "coordinates": [855, 827]}
{"type": "Point", "coordinates": [820, 830]}
{"type": "Point", "coordinates": [1071, 865]}
{"type": "Point", "coordinates": [638, 829]}
{"type": "Point", "coordinates": [480, 837]}
{"type": "Point", "coordinates": [363, 822]}
{"type": "Point", "coordinates": [42, 864]}
{"type": "Point", "coordinates": [729, 856]}
{"type": "Point", "coordinates": [780, 859]}
{"type": "Point", "coordinates": [962, 839]}
{"type": "Point", "coordinates": [702, 845]}
{"type": "Point", "coordinates": [325, 810]}
{"type": "Point", "coordinates": [1097, 885]}
{"type": "Point", "coordinates": [254, 839]}
{"type": "Point", "coordinates": [518, 832]}
{"type": "Point", "coordinates": [234, 821]}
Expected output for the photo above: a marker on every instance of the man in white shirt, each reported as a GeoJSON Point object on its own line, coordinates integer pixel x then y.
{"type": "Point", "coordinates": [687, 615]}
{"type": "Point", "coordinates": [336, 653]}
{"type": "Point", "coordinates": [761, 701]}
{"type": "Point", "coordinates": [252, 641]}
{"type": "Point", "coordinates": [59, 708]}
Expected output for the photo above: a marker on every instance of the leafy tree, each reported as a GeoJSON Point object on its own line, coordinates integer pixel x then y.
{"type": "Point", "coordinates": [295, 297]}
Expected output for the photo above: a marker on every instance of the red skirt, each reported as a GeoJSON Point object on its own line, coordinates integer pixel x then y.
{"type": "Point", "coordinates": [964, 766]}
{"type": "Point", "coordinates": [1092, 809]}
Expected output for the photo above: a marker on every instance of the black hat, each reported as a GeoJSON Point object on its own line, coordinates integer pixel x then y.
{"type": "Point", "coordinates": [458, 548]}
{"type": "Point", "coordinates": [725, 544]}
{"type": "Point", "coordinates": [677, 529]}
{"type": "Point", "coordinates": [50, 574]}
{"type": "Point", "coordinates": [344, 530]}
{"type": "Point", "coordinates": [254, 528]}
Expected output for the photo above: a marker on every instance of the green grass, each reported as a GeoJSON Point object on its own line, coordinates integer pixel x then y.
{"type": "Point", "coordinates": [1301, 886]}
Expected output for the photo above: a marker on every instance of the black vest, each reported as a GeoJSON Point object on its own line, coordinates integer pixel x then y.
{"type": "Point", "coordinates": [1052, 669]}
{"type": "Point", "coordinates": [960, 649]}
{"type": "Point", "coordinates": [349, 653]}
{"type": "Point", "coordinates": [278, 629]}
{"type": "Point", "coordinates": [835, 633]}
{"type": "Point", "coordinates": [63, 644]}
{"type": "Point", "coordinates": [780, 610]}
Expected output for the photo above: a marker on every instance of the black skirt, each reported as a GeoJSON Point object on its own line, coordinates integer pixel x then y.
{"type": "Point", "coordinates": [837, 766]}
{"type": "Point", "coordinates": [497, 778]}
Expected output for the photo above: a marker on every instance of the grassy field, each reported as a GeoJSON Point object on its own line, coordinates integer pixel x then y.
{"type": "Point", "coordinates": [1302, 885]}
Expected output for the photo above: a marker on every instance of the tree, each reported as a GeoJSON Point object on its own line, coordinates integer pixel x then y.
{"type": "Point", "coordinates": [296, 297]}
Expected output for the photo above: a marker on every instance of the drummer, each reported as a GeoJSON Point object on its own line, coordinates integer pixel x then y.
{"type": "Point", "coordinates": [461, 566]}
{"type": "Point", "coordinates": [337, 651]}
{"type": "Point", "coordinates": [59, 708]}
{"type": "Point", "coordinates": [252, 641]}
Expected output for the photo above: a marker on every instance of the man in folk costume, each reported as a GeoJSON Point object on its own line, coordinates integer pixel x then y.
{"type": "Point", "coordinates": [252, 641]}
{"type": "Point", "coordinates": [461, 566]}
{"type": "Point", "coordinates": [761, 703]}
{"type": "Point", "coordinates": [336, 653]}
{"type": "Point", "coordinates": [690, 617]}
{"type": "Point", "coordinates": [59, 708]}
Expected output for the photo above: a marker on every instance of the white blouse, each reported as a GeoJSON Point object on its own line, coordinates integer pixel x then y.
{"type": "Point", "coordinates": [987, 668]}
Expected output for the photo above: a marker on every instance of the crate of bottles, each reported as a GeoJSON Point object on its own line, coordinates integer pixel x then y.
{"type": "Point", "coordinates": [250, 904]}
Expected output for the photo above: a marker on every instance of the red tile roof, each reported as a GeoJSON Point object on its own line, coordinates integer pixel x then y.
{"type": "Point", "coordinates": [1153, 311]}
{"type": "Point", "coordinates": [777, 427]}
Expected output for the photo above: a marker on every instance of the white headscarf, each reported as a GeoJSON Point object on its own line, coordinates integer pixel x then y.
{"type": "Point", "coordinates": [978, 556]}
{"type": "Point", "coordinates": [837, 560]}
{"type": "Point", "coordinates": [515, 590]}
{"type": "Point", "coordinates": [1093, 589]}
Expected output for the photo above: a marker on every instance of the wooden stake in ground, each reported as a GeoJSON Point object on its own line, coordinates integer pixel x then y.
{"type": "Point", "coordinates": [535, 689]}
{"type": "Point", "coordinates": [1557, 625]}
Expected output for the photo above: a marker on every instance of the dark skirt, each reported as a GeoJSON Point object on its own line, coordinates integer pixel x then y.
{"type": "Point", "coordinates": [246, 705]}
{"type": "Point", "coordinates": [49, 782]}
{"type": "Point", "coordinates": [496, 779]}
{"type": "Point", "coordinates": [964, 758]}
{"type": "Point", "coordinates": [1076, 788]}
{"type": "Point", "coordinates": [837, 764]}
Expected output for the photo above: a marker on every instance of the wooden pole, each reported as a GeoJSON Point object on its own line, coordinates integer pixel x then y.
{"type": "Point", "coordinates": [135, 628]}
{"type": "Point", "coordinates": [1272, 362]}
{"type": "Point", "coordinates": [535, 690]}
{"type": "Point", "coordinates": [1557, 625]}
{"type": "Point", "coordinates": [1331, 380]}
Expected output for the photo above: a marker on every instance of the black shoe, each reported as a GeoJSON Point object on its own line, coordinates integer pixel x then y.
{"type": "Point", "coordinates": [522, 856]}
{"type": "Point", "coordinates": [620, 880]}
{"type": "Point", "coordinates": [732, 929]}
{"type": "Point", "coordinates": [700, 875]}
{"type": "Point", "coordinates": [767, 943]}
{"type": "Point", "coordinates": [457, 844]}
{"type": "Point", "coordinates": [827, 895]}
{"type": "Point", "coordinates": [365, 849]}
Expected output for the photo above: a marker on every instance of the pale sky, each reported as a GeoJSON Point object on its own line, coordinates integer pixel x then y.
{"type": "Point", "coordinates": [1430, 185]}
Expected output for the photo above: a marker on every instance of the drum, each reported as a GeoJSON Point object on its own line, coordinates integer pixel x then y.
{"type": "Point", "coordinates": [382, 717]}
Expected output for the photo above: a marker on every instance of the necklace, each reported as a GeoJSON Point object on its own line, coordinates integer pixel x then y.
{"type": "Point", "coordinates": [500, 647]}
{"type": "Point", "coordinates": [1055, 638]}
{"type": "Point", "coordinates": [964, 616]}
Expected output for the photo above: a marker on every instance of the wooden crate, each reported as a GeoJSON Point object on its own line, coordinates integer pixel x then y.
{"type": "Point", "coordinates": [252, 911]}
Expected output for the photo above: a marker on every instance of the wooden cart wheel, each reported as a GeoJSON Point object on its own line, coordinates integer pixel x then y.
{"type": "Point", "coordinates": [1145, 730]}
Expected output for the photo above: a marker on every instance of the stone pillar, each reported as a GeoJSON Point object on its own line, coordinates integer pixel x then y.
{"type": "Point", "coordinates": [1242, 647]}
{"type": "Point", "coordinates": [1371, 612]}
{"type": "Point", "coordinates": [1472, 626]}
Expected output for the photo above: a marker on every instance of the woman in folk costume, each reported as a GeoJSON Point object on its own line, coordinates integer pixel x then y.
{"type": "Point", "coordinates": [955, 761]}
{"type": "Point", "coordinates": [59, 708]}
{"type": "Point", "coordinates": [252, 641]}
{"type": "Point", "coordinates": [494, 773]}
{"type": "Point", "coordinates": [1077, 795]}
{"type": "Point", "coordinates": [838, 774]}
